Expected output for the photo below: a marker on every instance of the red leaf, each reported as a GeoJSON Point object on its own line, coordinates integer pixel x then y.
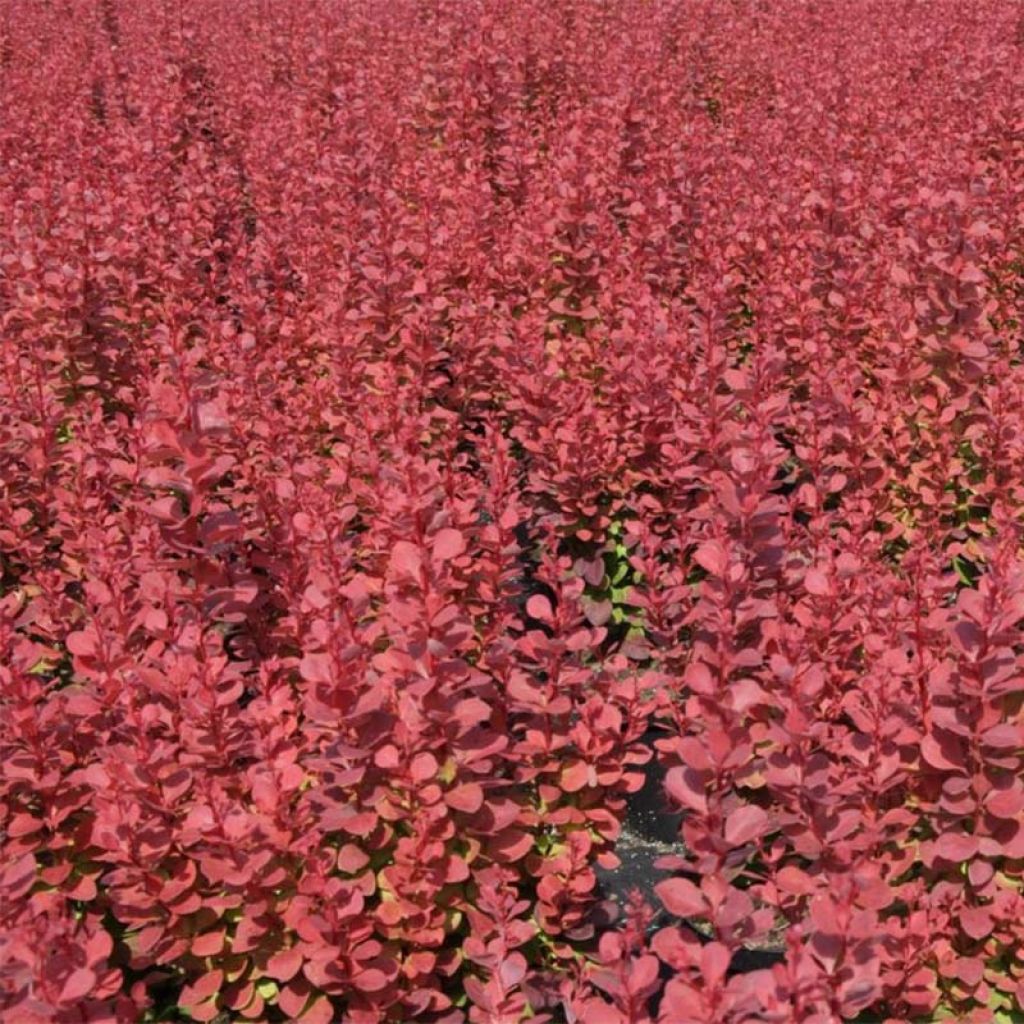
{"type": "Point", "coordinates": [745, 824]}
{"type": "Point", "coordinates": [1005, 736]}
{"type": "Point", "coordinates": [970, 274]}
{"type": "Point", "coordinates": [283, 966]}
{"type": "Point", "coordinates": [969, 969]}
{"type": "Point", "coordinates": [976, 922]}
{"type": "Point", "coordinates": [714, 962]}
{"type": "Point", "coordinates": [80, 984]}
{"type": "Point", "coordinates": [539, 607]}
{"type": "Point", "coordinates": [1005, 803]}
{"type": "Point", "coordinates": [684, 786]}
{"type": "Point", "coordinates": [209, 944]}
{"type": "Point", "coordinates": [293, 997]}
{"type": "Point", "coordinates": [793, 880]}
{"type": "Point", "coordinates": [18, 877]}
{"type": "Point", "coordinates": [468, 797]}
{"type": "Point", "coordinates": [205, 987]}
{"type": "Point", "coordinates": [82, 643]}
{"type": "Point", "coordinates": [956, 846]}
{"type": "Point", "coordinates": [816, 582]}
{"type": "Point", "coordinates": [448, 544]}
{"type": "Point", "coordinates": [712, 557]}
{"type": "Point", "coordinates": [319, 1012]}
{"type": "Point", "coordinates": [406, 560]}
{"type": "Point", "coordinates": [575, 775]}
{"type": "Point", "coordinates": [205, 1011]}
{"type": "Point", "coordinates": [511, 845]}
{"type": "Point", "coordinates": [643, 977]}
{"type": "Point", "coordinates": [698, 678]}
{"type": "Point", "coordinates": [512, 970]}
{"type": "Point", "coordinates": [938, 751]}
{"type": "Point", "coordinates": [371, 980]}
{"type": "Point", "coordinates": [316, 668]}
{"type": "Point", "coordinates": [471, 711]}
{"type": "Point", "coordinates": [693, 753]}
{"type": "Point", "coordinates": [423, 767]}
{"type": "Point", "coordinates": [352, 859]}
{"type": "Point", "coordinates": [681, 897]}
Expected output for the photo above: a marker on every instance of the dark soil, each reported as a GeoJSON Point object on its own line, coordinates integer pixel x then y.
{"type": "Point", "coordinates": [650, 831]}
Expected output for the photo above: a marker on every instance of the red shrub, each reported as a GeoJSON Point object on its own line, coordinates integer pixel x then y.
{"type": "Point", "coordinates": [408, 409]}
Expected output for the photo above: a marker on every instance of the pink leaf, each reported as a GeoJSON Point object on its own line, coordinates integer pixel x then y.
{"type": "Point", "coordinates": [575, 775]}
{"type": "Point", "coordinates": [292, 998]}
{"type": "Point", "coordinates": [1005, 803]}
{"type": "Point", "coordinates": [511, 845]}
{"type": "Point", "coordinates": [539, 607]}
{"type": "Point", "coordinates": [80, 983]}
{"type": "Point", "coordinates": [82, 643]}
{"type": "Point", "coordinates": [205, 987]}
{"type": "Point", "coordinates": [468, 797]}
{"type": "Point", "coordinates": [283, 966]}
{"type": "Point", "coordinates": [976, 922]}
{"type": "Point", "coordinates": [18, 877]}
{"type": "Point", "coordinates": [745, 824]}
{"type": "Point", "coordinates": [939, 754]}
{"type": "Point", "coordinates": [816, 582]}
{"type": "Point", "coordinates": [316, 668]}
{"type": "Point", "coordinates": [406, 560]}
{"type": "Point", "coordinates": [714, 962]}
{"type": "Point", "coordinates": [681, 897]}
{"type": "Point", "coordinates": [712, 557]}
{"type": "Point", "coordinates": [319, 1012]}
{"type": "Point", "coordinates": [352, 859]}
{"type": "Point", "coordinates": [448, 544]}
{"type": "Point", "coordinates": [512, 970]}
{"type": "Point", "coordinates": [793, 880]}
{"type": "Point", "coordinates": [684, 786]}
{"type": "Point", "coordinates": [956, 846]}
{"type": "Point", "coordinates": [209, 944]}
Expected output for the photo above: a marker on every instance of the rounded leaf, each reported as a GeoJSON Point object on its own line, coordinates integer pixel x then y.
{"type": "Point", "coordinates": [681, 897]}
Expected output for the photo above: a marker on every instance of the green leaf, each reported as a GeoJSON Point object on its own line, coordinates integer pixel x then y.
{"type": "Point", "coordinates": [267, 988]}
{"type": "Point", "coordinates": [1009, 1017]}
{"type": "Point", "coordinates": [965, 570]}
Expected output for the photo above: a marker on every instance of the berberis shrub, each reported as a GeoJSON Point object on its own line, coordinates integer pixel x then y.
{"type": "Point", "coordinates": [417, 415]}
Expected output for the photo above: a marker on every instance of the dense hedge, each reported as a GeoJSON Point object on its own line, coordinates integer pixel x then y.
{"type": "Point", "coordinates": [408, 405]}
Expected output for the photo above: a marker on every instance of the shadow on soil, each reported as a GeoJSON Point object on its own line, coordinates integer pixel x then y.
{"type": "Point", "coordinates": [650, 831]}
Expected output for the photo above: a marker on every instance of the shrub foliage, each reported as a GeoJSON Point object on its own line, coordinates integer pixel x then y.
{"type": "Point", "coordinates": [408, 407]}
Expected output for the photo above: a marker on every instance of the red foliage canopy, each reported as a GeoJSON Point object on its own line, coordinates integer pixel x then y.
{"type": "Point", "coordinates": [407, 406]}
